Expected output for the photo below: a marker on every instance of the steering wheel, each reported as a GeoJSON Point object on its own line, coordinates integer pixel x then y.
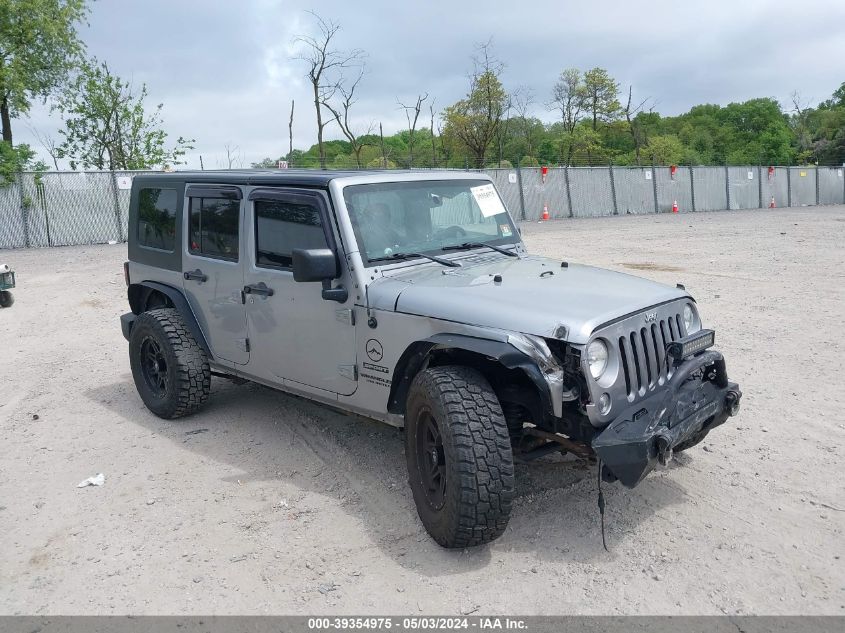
{"type": "Point", "coordinates": [452, 231]}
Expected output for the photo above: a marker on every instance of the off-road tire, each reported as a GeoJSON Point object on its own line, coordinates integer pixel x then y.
{"type": "Point", "coordinates": [6, 299]}
{"type": "Point", "coordinates": [476, 450]}
{"type": "Point", "coordinates": [186, 374]}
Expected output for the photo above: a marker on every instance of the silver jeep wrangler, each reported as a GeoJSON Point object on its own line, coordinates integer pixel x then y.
{"type": "Point", "coordinates": [410, 298]}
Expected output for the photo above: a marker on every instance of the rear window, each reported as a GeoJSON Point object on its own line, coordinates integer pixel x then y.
{"type": "Point", "coordinates": [157, 218]}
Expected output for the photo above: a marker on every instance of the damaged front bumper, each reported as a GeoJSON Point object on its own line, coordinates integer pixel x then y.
{"type": "Point", "coordinates": [647, 432]}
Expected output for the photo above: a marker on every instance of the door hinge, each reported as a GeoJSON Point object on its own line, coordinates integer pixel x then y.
{"type": "Point", "coordinates": [345, 316]}
{"type": "Point", "coordinates": [350, 372]}
{"type": "Point", "coordinates": [243, 343]}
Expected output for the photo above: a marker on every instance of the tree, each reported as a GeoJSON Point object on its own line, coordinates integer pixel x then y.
{"type": "Point", "coordinates": [340, 112]}
{"type": "Point", "coordinates": [637, 134]}
{"type": "Point", "coordinates": [475, 120]}
{"type": "Point", "coordinates": [665, 150]}
{"type": "Point", "coordinates": [569, 97]}
{"type": "Point", "coordinates": [325, 70]}
{"type": "Point", "coordinates": [600, 96]}
{"type": "Point", "coordinates": [412, 122]}
{"type": "Point", "coordinates": [38, 47]}
{"type": "Point", "coordinates": [106, 126]}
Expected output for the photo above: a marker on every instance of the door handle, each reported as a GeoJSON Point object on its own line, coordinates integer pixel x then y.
{"type": "Point", "coordinates": [258, 289]}
{"type": "Point", "coordinates": [195, 275]}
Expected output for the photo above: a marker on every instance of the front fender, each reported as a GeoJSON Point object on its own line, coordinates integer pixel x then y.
{"type": "Point", "coordinates": [414, 358]}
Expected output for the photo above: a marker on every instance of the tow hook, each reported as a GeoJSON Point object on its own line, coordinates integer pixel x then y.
{"type": "Point", "coordinates": [664, 450]}
{"type": "Point", "coordinates": [732, 402]}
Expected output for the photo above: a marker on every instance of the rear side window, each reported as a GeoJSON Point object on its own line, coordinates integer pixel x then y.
{"type": "Point", "coordinates": [157, 218]}
{"type": "Point", "coordinates": [281, 227]}
{"type": "Point", "coordinates": [214, 228]}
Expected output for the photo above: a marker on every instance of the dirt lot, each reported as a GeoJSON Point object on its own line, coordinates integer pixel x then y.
{"type": "Point", "coordinates": [264, 503]}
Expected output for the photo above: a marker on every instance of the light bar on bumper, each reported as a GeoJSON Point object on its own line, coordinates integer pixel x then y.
{"type": "Point", "coordinates": [690, 345]}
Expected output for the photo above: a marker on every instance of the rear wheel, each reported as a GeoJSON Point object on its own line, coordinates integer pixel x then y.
{"type": "Point", "coordinates": [6, 299]}
{"type": "Point", "coordinates": [460, 464]}
{"type": "Point", "coordinates": [170, 369]}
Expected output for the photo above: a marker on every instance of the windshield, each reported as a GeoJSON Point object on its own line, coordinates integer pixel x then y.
{"type": "Point", "coordinates": [391, 219]}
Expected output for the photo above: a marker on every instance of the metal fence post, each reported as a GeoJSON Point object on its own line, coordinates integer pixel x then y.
{"type": "Point", "coordinates": [613, 187]}
{"type": "Point", "coordinates": [654, 185]}
{"type": "Point", "coordinates": [760, 186]}
{"type": "Point", "coordinates": [568, 192]}
{"type": "Point", "coordinates": [24, 209]}
{"type": "Point", "coordinates": [788, 183]}
{"type": "Point", "coordinates": [117, 207]}
{"type": "Point", "coordinates": [692, 187]}
{"type": "Point", "coordinates": [519, 184]}
{"type": "Point", "coordinates": [727, 188]}
{"type": "Point", "coordinates": [818, 199]}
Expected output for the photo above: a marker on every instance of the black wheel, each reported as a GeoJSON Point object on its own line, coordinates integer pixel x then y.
{"type": "Point", "coordinates": [6, 299]}
{"type": "Point", "coordinates": [170, 369]}
{"type": "Point", "coordinates": [460, 463]}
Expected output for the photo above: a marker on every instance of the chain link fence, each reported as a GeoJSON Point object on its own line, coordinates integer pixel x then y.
{"type": "Point", "coordinates": [70, 208]}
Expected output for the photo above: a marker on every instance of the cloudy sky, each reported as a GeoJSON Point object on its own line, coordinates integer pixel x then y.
{"type": "Point", "coordinates": [226, 70]}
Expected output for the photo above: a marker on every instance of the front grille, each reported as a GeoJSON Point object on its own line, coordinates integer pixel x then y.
{"type": "Point", "coordinates": [643, 355]}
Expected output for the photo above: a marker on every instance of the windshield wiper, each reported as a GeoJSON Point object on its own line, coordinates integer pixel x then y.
{"type": "Point", "coordinates": [466, 245]}
{"type": "Point", "coordinates": [398, 256]}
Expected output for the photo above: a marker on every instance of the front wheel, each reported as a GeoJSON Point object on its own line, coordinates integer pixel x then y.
{"type": "Point", "coordinates": [6, 299]}
{"type": "Point", "coordinates": [460, 463]}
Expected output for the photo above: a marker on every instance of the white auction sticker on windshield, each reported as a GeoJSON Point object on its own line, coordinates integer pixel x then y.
{"type": "Point", "coordinates": [488, 200]}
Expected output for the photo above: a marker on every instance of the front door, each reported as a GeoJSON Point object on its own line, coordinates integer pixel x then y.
{"type": "Point", "coordinates": [212, 268]}
{"type": "Point", "coordinates": [295, 334]}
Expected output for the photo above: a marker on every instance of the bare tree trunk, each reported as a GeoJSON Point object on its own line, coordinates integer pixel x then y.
{"type": "Point", "coordinates": [7, 120]}
{"type": "Point", "coordinates": [319, 108]}
{"type": "Point", "coordinates": [290, 131]}
{"type": "Point", "coordinates": [433, 146]}
{"type": "Point", "coordinates": [383, 156]}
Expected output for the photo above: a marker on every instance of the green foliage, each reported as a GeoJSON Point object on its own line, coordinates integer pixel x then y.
{"type": "Point", "coordinates": [474, 120]}
{"type": "Point", "coordinates": [106, 126]}
{"type": "Point", "coordinates": [14, 160]}
{"type": "Point", "coordinates": [38, 47]}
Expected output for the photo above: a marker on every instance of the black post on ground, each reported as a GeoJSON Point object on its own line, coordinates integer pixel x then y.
{"type": "Point", "coordinates": [519, 185]}
{"type": "Point", "coordinates": [612, 187]}
{"type": "Point", "coordinates": [654, 184]}
{"type": "Point", "coordinates": [24, 209]}
{"type": "Point", "coordinates": [568, 191]}
{"type": "Point", "coordinates": [789, 183]}
{"type": "Point", "coordinates": [692, 187]}
{"type": "Point", "coordinates": [727, 187]}
{"type": "Point", "coordinates": [116, 197]}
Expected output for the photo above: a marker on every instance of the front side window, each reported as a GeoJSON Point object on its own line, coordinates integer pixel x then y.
{"type": "Point", "coordinates": [157, 218]}
{"type": "Point", "coordinates": [391, 219]}
{"type": "Point", "coordinates": [214, 228]}
{"type": "Point", "coordinates": [282, 226]}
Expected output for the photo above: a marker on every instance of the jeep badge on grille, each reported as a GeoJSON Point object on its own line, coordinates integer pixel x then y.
{"type": "Point", "coordinates": [650, 316]}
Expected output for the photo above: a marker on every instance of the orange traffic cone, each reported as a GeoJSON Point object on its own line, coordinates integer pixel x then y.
{"type": "Point", "coordinates": [772, 203]}
{"type": "Point", "coordinates": [675, 206]}
{"type": "Point", "coordinates": [545, 212]}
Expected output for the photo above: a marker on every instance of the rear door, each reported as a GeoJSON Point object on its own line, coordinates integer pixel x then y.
{"type": "Point", "coordinates": [295, 334]}
{"type": "Point", "coordinates": [212, 268]}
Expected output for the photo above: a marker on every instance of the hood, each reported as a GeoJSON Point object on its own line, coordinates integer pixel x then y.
{"type": "Point", "coordinates": [536, 295]}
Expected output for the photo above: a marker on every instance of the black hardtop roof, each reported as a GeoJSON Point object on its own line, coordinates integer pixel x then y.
{"type": "Point", "coordinates": [299, 177]}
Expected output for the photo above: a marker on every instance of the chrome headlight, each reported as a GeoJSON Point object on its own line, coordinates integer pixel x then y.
{"type": "Point", "coordinates": [597, 358]}
{"type": "Point", "coordinates": [691, 321]}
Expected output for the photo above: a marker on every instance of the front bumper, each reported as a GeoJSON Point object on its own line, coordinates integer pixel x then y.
{"type": "Point", "coordinates": [632, 444]}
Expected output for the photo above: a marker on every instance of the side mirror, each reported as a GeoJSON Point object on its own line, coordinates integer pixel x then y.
{"type": "Point", "coordinates": [318, 264]}
{"type": "Point", "coordinates": [314, 264]}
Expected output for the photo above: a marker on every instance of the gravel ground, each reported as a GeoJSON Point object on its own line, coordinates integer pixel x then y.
{"type": "Point", "coordinates": [264, 503]}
